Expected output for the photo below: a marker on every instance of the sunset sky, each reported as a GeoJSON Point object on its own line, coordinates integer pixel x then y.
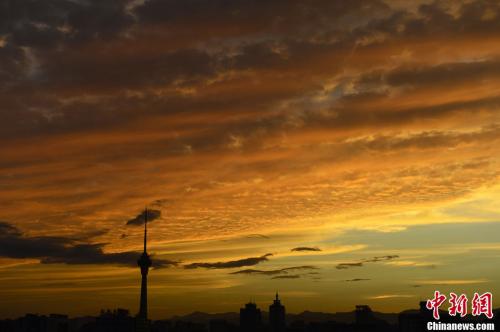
{"type": "Point", "coordinates": [339, 152]}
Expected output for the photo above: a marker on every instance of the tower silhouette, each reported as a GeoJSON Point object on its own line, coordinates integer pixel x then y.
{"type": "Point", "coordinates": [277, 315]}
{"type": "Point", "coordinates": [144, 262]}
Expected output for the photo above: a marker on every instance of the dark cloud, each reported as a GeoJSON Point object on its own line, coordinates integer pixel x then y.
{"type": "Point", "coordinates": [64, 250]}
{"type": "Point", "coordinates": [435, 20]}
{"type": "Point", "coordinates": [31, 23]}
{"type": "Point", "coordinates": [431, 76]}
{"type": "Point", "coordinates": [376, 259]}
{"type": "Point", "coordinates": [444, 73]}
{"type": "Point", "coordinates": [253, 271]}
{"type": "Point", "coordinates": [230, 264]}
{"type": "Point", "coordinates": [48, 24]}
{"type": "Point", "coordinates": [13, 62]}
{"type": "Point", "coordinates": [254, 16]}
{"type": "Point", "coordinates": [356, 280]}
{"type": "Point", "coordinates": [278, 271]}
{"type": "Point", "coordinates": [7, 229]}
{"type": "Point", "coordinates": [306, 249]}
{"type": "Point", "coordinates": [347, 112]}
{"type": "Point", "coordinates": [343, 266]}
{"type": "Point", "coordinates": [291, 276]}
{"type": "Point", "coordinates": [139, 219]}
{"type": "Point", "coordinates": [380, 258]}
{"type": "Point", "coordinates": [257, 236]}
{"type": "Point", "coordinates": [99, 19]}
{"type": "Point", "coordinates": [183, 67]}
{"type": "Point", "coordinates": [297, 33]}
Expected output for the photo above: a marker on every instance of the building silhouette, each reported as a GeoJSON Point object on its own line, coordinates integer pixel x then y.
{"type": "Point", "coordinates": [365, 320]}
{"type": "Point", "coordinates": [221, 325]}
{"type": "Point", "coordinates": [277, 321]}
{"type": "Point", "coordinates": [118, 320]}
{"type": "Point", "coordinates": [144, 262]}
{"type": "Point", "coordinates": [250, 318]}
{"type": "Point", "coordinates": [415, 320]}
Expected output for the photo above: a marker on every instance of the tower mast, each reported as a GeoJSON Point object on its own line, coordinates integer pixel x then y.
{"type": "Point", "coordinates": [144, 262]}
{"type": "Point", "coordinates": [145, 227]}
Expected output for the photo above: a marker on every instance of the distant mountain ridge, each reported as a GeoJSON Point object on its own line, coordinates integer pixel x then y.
{"type": "Point", "coordinates": [305, 316]}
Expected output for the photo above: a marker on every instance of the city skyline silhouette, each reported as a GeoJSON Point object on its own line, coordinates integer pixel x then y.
{"type": "Point", "coordinates": [250, 318]}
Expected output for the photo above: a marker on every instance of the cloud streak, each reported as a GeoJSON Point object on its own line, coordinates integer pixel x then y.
{"type": "Point", "coordinates": [356, 280]}
{"type": "Point", "coordinates": [230, 264]}
{"type": "Point", "coordinates": [344, 266]}
{"type": "Point", "coordinates": [290, 276]}
{"type": "Point", "coordinates": [376, 259]}
{"type": "Point", "coordinates": [277, 271]}
{"type": "Point", "coordinates": [301, 249]}
{"type": "Point", "coordinates": [257, 236]}
{"type": "Point", "coordinates": [141, 217]}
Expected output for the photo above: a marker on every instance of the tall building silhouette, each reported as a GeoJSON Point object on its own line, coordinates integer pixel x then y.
{"type": "Point", "coordinates": [277, 315]}
{"type": "Point", "coordinates": [144, 262]}
{"type": "Point", "coordinates": [250, 318]}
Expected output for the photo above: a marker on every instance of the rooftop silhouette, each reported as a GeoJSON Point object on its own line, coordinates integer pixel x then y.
{"type": "Point", "coordinates": [277, 320]}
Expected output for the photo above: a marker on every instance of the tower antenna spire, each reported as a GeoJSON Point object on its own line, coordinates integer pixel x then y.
{"type": "Point", "coordinates": [145, 227]}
